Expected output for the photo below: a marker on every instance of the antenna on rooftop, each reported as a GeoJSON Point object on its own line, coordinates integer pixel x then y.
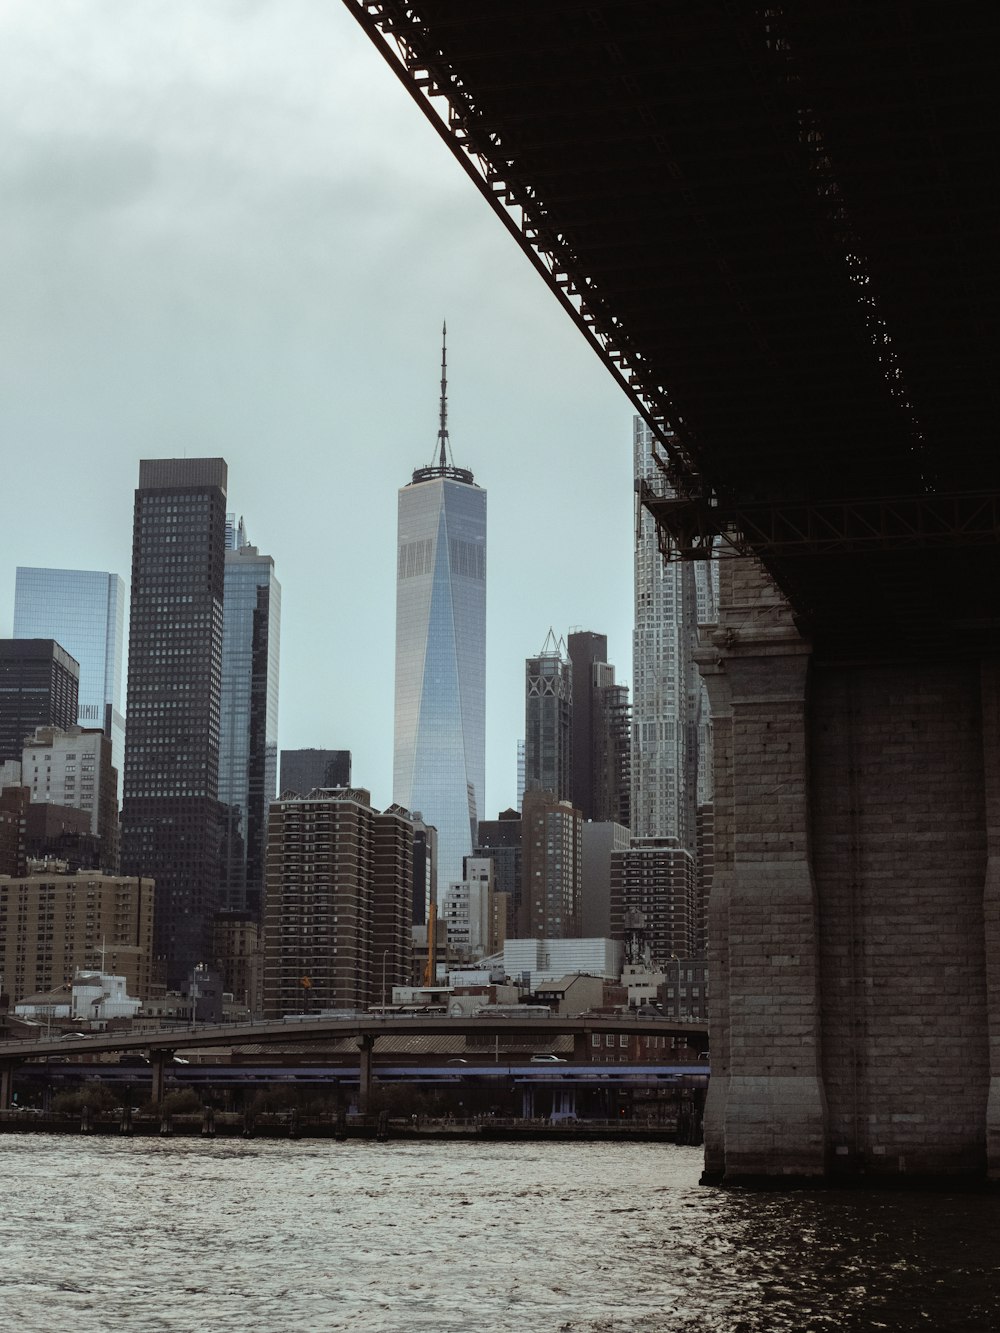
{"type": "Point", "coordinates": [443, 442]}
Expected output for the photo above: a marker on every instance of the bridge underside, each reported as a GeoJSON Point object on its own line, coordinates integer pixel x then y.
{"type": "Point", "coordinates": [777, 226]}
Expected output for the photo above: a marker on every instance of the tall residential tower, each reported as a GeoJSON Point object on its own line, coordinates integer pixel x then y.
{"type": "Point", "coordinates": [671, 729]}
{"type": "Point", "coordinates": [439, 761]}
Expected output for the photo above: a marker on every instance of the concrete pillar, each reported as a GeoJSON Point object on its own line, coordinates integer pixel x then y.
{"type": "Point", "coordinates": [564, 1103]}
{"type": "Point", "coordinates": [991, 905]}
{"type": "Point", "coordinates": [767, 1116]}
{"type": "Point", "coordinates": [6, 1084]}
{"type": "Point", "coordinates": [158, 1061]}
{"type": "Point", "coordinates": [581, 1046]}
{"type": "Point", "coordinates": [366, 1048]}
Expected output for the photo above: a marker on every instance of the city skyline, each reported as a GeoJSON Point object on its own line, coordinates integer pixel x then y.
{"type": "Point", "coordinates": [305, 353]}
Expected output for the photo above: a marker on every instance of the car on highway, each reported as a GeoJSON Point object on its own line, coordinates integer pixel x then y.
{"type": "Point", "coordinates": [547, 1060]}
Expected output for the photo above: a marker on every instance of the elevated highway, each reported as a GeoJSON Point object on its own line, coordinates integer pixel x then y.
{"type": "Point", "coordinates": [162, 1045]}
{"type": "Point", "coordinates": [777, 227]}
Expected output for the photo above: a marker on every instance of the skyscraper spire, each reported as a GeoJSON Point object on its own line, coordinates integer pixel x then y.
{"type": "Point", "coordinates": [443, 447]}
{"type": "Point", "coordinates": [441, 466]}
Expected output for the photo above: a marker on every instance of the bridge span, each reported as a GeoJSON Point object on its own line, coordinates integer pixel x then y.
{"type": "Point", "coordinates": [776, 225]}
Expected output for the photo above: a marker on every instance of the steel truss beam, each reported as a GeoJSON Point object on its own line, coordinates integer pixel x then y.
{"type": "Point", "coordinates": [405, 43]}
{"type": "Point", "coordinates": [694, 530]}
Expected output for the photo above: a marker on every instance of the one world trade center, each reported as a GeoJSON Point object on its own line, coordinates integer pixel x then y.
{"type": "Point", "coordinates": [439, 763]}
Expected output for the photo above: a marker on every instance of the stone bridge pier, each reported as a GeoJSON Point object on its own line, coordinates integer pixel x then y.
{"type": "Point", "coordinates": [854, 924]}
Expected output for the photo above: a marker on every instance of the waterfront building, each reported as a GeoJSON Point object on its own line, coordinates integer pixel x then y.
{"type": "Point", "coordinates": [54, 925]}
{"type": "Point", "coordinates": [84, 611]}
{"type": "Point", "coordinates": [439, 755]}
{"type": "Point", "coordinates": [338, 902]}
{"type": "Point", "coordinates": [73, 768]}
{"type": "Point", "coordinates": [248, 738]}
{"type": "Point", "coordinates": [548, 720]}
{"type": "Point", "coordinates": [171, 819]}
{"type": "Point", "coordinates": [39, 687]}
{"type": "Point", "coordinates": [671, 728]}
{"type": "Point", "coordinates": [552, 866]}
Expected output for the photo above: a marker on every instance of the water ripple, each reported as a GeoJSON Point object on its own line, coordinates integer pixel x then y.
{"type": "Point", "coordinates": [165, 1236]}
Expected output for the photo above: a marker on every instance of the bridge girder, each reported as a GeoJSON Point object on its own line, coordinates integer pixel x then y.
{"type": "Point", "coordinates": [776, 227]}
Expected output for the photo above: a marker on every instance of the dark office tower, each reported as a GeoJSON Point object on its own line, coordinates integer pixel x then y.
{"type": "Point", "coordinates": [39, 687]}
{"type": "Point", "coordinates": [248, 744]}
{"type": "Point", "coordinates": [171, 822]}
{"type": "Point", "coordinates": [500, 840]}
{"type": "Point", "coordinates": [548, 709]}
{"type": "Point", "coordinates": [584, 649]}
{"type": "Point", "coordinates": [303, 771]}
{"type": "Point", "coordinates": [601, 730]}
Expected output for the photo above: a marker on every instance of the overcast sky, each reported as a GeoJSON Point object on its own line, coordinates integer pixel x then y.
{"type": "Point", "coordinates": [226, 229]}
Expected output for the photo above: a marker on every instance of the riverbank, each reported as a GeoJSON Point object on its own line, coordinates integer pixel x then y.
{"type": "Point", "coordinates": [290, 1125]}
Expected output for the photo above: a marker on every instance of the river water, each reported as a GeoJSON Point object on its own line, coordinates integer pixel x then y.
{"type": "Point", "coordinates": [174, 1235]}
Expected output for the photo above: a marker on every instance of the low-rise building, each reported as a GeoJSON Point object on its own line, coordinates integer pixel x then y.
{"type": "Point", "coordinates": [54, 925]}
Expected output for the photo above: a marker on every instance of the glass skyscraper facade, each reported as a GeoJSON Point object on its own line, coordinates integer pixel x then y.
{"type": "Point", "coordinates": [84, 611]}
{"type": "Point", "coordinates": [171, 819]}
{"type": "Point", "coordinates": [439, 762]}
{"type": "Point", "coordinates": [248, 739]}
